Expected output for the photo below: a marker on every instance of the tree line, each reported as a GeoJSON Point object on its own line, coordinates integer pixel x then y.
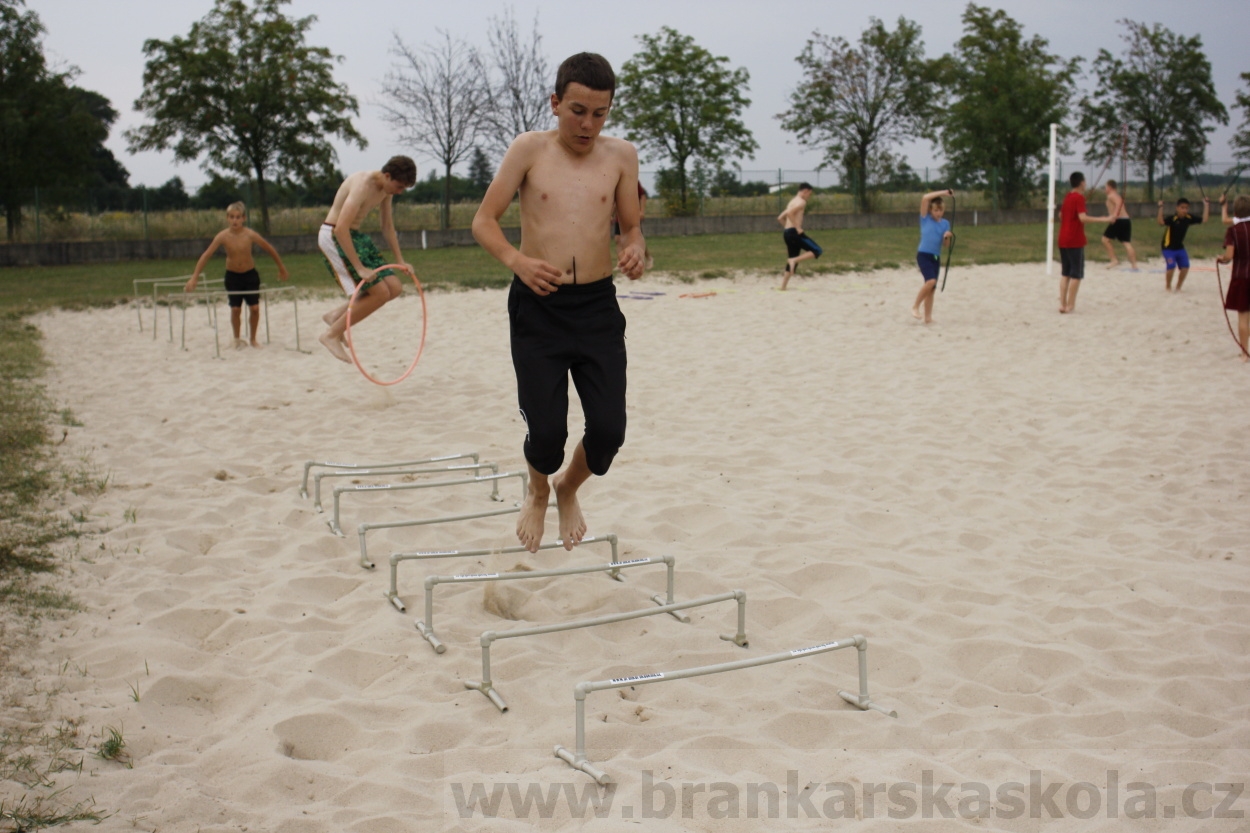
{"type": "Point", "coordinates": [247, 96]}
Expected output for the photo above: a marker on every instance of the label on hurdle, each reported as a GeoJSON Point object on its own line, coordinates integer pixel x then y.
{"type": "Point", "coordinates": [631, 561]}
{"type": "Point", "coordinates": [637, 678]}
{"type": "Point", "coordinates": [800, 651]}
{"type": "Point", "coordinates": [468, 576]}
{"type": "Point", "coordinates": [343, 465]}
{"type": "Point", "coordinates": [370, 488]}
{"type": "Point", "coordinates": [439, 552]}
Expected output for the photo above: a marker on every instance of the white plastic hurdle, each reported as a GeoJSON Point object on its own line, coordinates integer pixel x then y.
{"type": "Point", "coordinates": [392, 595]}
{"type": "Point", "coordinates": [426, 626]}
{"type": "Point", "coordinates": [442, 458]}
{"type": "Point", "coordinates": [578, 759]}
{"type": "Point", "coordinates": [487, 687]}
{"type": "Point", "coordinates": [153, 282]}
{"type": "Point", "coordinates": [264, 292]}
{"type": "Point", "coordinates": [493, 468]}
{"type": "Point", "coordinates": [493, 479]}
{"type": "Point", "coordinates": [363, 529]}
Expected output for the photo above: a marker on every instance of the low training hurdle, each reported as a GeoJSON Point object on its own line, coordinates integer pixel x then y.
{"type": "Point", "coordinates": [492, 467]}
{"type": "Point", "coordinates": [578, 760]}
{"type": "Point", "coordinates": [264, 292]}
{"type": "Point", "coordinates": [153, 282]}
{"type": "Point", "coordinates": [443, 458]}
{"type": "Point", "coordinates": [492, 479]}
{"type": "Point", "coordinates": [426, 627]}
{"type": "Point", "coordinates": [392, 595]}
{"type": "Point", "coordinates": [486, 686]}
{"type": "Point", "coordinates": [363, 529]}
{"type": "Point", "coordinates": [179, 300]}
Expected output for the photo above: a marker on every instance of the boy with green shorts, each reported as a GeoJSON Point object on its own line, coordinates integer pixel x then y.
{"type": "Point", "coordinates": [351, 255]}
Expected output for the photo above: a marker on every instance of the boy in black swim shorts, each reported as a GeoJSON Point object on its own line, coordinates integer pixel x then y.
{"type": "Point", "coordinates": [799, 247]}
{"type": "Point", "coordinates": [242, 279]}
{"type": "Point", "coordinates": [562, 309]}
{"type": "Point", "coordinates": [1121, 228]}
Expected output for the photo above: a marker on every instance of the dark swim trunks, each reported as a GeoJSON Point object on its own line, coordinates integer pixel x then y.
{"type": "Point", "coordinates": [930, 265]}
{"type": "Point", "coordinates": [241, 282]}
{"type": "Point", "coordinates": [1121, 229]}
{"type": "Point", "coordinates": [796, 243]}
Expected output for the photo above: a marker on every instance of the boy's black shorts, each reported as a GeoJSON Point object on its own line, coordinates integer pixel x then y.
{"type": "Point", "coordinates": [239, 282]}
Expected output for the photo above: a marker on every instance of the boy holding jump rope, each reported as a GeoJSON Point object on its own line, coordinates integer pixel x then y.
{"type": "Point", "coordinates": [1237, 252]}
{"type": "Point", "coordinates": [935, 233]}
{"type": "Point", "coordinates": [242, 279]}
{"type": "Point", "coordinates": [1175, 227]}
{"type": "Point", "coordinates": [351, 255]}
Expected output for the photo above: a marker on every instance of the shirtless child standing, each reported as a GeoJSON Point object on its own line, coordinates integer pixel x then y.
{"type": "Point", "coordinates": [562, 309]}
{"type": "Point", "coordinates": [799, 247]}
{"type": "Point", "coordinates": [351, 255]}
{"type": "Point", "coordinates": [241, 274]}
{"type": "Point", "coordinates": [1121, 228]}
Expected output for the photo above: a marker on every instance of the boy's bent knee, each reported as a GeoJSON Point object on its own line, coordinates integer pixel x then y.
{"type": "Point", "coordinates": [601, 447]}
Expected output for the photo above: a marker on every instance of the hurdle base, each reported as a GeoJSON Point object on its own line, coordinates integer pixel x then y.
{"type": "Point", "coordinates": [333, 523]}
{"type": "Point", "coordinates": [395, 600]}
{"type": "Point", "coordinates": [865, 704]}
{"type": "Point", "coordinates": [427, 634]}
{"type": "Point", "coordinates": [739, 639]}
{"type": "Point", "coordinates": [676, 614]}
{"type": "Point", "coordinates": [601, 777]}
{"type": "Point", "coordinates": [489, 690]}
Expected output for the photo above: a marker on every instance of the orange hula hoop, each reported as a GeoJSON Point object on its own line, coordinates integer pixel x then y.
{"type": "Point", "coordinates": [351, 348]}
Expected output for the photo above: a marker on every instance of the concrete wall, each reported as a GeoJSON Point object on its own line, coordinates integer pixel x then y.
{"type": "Point", "coordinates": [103, 251]}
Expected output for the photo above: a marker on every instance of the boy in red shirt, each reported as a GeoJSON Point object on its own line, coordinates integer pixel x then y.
{"type": "Point", "coordinates": [1072, 220]}
{"type": "Point", "coordinates": [1237, 252]}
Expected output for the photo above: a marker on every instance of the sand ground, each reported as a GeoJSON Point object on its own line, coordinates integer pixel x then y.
{"type": "Point", "coordinates": [1038, 521]}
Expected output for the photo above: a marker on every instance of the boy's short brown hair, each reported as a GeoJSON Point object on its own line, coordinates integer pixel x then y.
{"type": "Point", "coordinates": [401, 169]}
{"type": "Point", "coordinates": [1241, 207]}
{"type": "Point", "coordinates": [936, 201]}
{"type": "Point", "coordinates": [236, 206]}
{"type": "Point", "coordinates": [589, 69]}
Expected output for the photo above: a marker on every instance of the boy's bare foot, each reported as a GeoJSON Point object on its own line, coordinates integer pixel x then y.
{"type": "Point", "coordinates": [915, 313]}
{"type": "Point", "coordinates": [928, 321]}
{"type": "Point", "coordinates": [532, 520]}
{"type": "Point", "coordinates": [335, 347]}
{"type": "Point", "coordinates": [1062, 308]}
{"type": "Point", "coordinates": [572, 524]}
{"type": "Point", "coordinates": [1113, 264]}
{"type": "Point", "coordinates": [239, 344]}
{"type": "Point", "coordinates": [256, 344]}
{"type": "Point", "coordinates": [1245, 358]}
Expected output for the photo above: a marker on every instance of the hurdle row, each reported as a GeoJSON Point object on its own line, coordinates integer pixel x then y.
{"type": "Point", "coordinates": [667, 604]}
{"type": "Point", "coordinates": [209, 292]}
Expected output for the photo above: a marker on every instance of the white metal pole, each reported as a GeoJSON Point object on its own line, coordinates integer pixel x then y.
{"type": "Point", "coordinates": [1050, 204]}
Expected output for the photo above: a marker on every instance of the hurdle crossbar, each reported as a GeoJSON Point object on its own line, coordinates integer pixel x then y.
{"type": "Point", "coordinates": [363, 529]}
{"type": "Point", "coordinates": [426, 626]}
{"type": "Point", "coordinates": [264, 292]}
{"type": "Point", "coordinates": [392, 594]}
{"type": "Point", "coordinates": [178, 284]}
{"type": "Point", "coordinates": [492, 467]}
{"type": "Point", "coordinates": [487, 687]}
{"type": "Point", "coordinates": [442, 458]}
{"type": "Point", "coordinates": [492, 479]}
{"type": "Point", "coordinates": [578, 759]}
{"type": "Point", "coordinates": [152, 281]}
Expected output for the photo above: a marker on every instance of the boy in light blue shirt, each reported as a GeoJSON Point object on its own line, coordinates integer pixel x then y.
{"type": "Point", "coordinates": [934, 234]}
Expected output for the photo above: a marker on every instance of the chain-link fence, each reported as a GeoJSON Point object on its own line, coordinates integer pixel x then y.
{"type": "Point", "coordinates": [44, 215]}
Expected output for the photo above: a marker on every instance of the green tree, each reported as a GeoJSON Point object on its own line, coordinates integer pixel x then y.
{"type": "Point", "coordinates": [856, 102]}
{"type": "Point", "coordinates": [1005, 91]}
{"type": "Point", "coordinates": [480, 171]}
{"type": "Point", "coordinates": [51, 132]}
{"type": "Point", "coordinates": [1241, 139]}
{"type": "Point", "coordinates": [244, 90]}
{"type": "Point", "coordinates": [681, 103]}
{"type": "Point", "coordinates": [1161, 87]}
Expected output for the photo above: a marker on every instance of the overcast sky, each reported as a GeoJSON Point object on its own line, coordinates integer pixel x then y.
{"type": "Point", "coordinates": [105, 41]}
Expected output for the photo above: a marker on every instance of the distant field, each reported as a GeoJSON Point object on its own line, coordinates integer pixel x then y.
{"type": "Point", "coordinates": [29, 289]}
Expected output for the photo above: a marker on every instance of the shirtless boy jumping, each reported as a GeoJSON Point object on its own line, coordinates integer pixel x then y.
{"type": "Point", "coordinates": [351, 255]}
{"type": "Point", "coordinates": [799, 247]}
{"type": "Point", "coordinates": [562, 309]}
